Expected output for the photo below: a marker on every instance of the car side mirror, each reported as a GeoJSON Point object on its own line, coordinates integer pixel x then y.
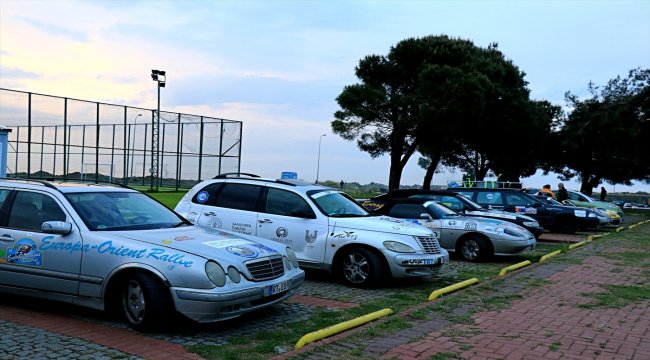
{"type": "Point", "coordinates": [425, 216]}
{"type": "Point", "coordinates": [56, 227]}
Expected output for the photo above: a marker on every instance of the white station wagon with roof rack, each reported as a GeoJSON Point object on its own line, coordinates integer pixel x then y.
{"type": "Point", "coordinates": [107, 246]}
{"type": "Point", "coordinates": [325, 227]}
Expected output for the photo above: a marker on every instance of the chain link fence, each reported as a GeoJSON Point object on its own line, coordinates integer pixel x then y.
{"type": "Point", "coordinates": [56, 137]}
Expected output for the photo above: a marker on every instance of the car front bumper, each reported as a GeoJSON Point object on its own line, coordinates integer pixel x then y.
{"type": "Point", "coordinates": [511, 247]}
{"type": "Point", "coordinates": [211, 305]}
{"type": "Point", "coordinates": [408, 265]}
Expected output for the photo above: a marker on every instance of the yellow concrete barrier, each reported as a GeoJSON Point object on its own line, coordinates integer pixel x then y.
{"type": "Point", "coordinates": [633, 226]}
{"type": "Point", "coordinates": [619, 229]}
{"type": "Point", "coordinates": [335, 329]}
{"type": "Point", "coordinates": [550, 255]}
{"type": "Point", "coordinates": [435, 294]}
{"type": "Point", "coordinates": [514, 267]}
{"type": "Point", "coordinates": [573, 246]}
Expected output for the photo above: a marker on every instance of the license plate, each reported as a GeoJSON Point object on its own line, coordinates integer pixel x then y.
{"type": "Point", "coordinates": [276, 288]}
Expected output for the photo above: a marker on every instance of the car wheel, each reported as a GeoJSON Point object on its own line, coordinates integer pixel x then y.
{"type": "Point", "coordinates": [473, 248]}
{"type": "Point", "coordinates": [360, 267]}
{"type": "Point", "coordinates": [144, 301]}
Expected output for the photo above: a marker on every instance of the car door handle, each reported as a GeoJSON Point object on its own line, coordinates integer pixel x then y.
{"type": "Point", "coordinates": [210, 213]}
{"type": "Point", "coordinates": [265, 221]}
{"type": "Point", "coordinates": [6, 238]}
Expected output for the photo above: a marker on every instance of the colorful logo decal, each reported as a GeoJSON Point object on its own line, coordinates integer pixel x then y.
{"type": "Point", "coordinates": [24, 252]}
{"type": "Point", "coordinates": [202, 197]}
{"type": "Point", "coordinates": [215, 223]}
{"type": "Point", "coordinates": [470, 226]}
{"type": "Point", "coordinates": [166, 242]}
{"type": "Point", "coordinates": [520, 209]}
{"type": "Point", "coordinates": [282, 232]}
{"type": "Point", "coordinates": [243, 252]}
{"type": "Point", "coordinates": [183, 238]}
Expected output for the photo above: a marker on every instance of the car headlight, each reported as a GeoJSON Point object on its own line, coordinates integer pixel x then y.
{"type": "Point", "coordinates": [511, 232]}
{"type": "Point", "coordinates": [591, 214]}
{"type": "Point", "coordinates": [234, 274]}
{"type": "Point", "coordinates": [292, 257]}
{"type": "Point", "coordinates": [215, 273]}
{"type": "Point", "coordinates": [531, 223]}
{"type": "Point", "coordinates": [399, 247]}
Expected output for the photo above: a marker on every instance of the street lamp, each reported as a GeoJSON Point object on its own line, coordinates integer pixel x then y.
{"type": "Point", "coordinates": [135, 123]}
{"type": "Point", "coordinates": [160, 77]}
{"type": "Point", "coordinates": [318, 161]}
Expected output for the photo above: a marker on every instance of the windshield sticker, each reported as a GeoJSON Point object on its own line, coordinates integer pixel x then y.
{"type": "Point", "coordinates": [242, 251]}
{"type": "Point", "coordinates": [24, 252]}
{"type": "Point", "coordinates": [107, 248]}
{"type": "Point", "coordinates": [531, 211]}
{"type": "Point", "coordinates": [202, 197]}
{"type": "Point", "coordinates": [347, 235]}
{"type": "Point", "coordinates": [242, 228]}
{"type": "Point", "coordinates": [323, 193]}
{"type": "Point", "coordinates": [520, 209]}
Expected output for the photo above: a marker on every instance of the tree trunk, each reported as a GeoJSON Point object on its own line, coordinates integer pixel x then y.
{"type": "Point", "coordinates": [428, 176]}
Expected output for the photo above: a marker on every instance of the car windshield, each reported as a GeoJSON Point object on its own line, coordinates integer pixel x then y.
{"type": "Point", "coordinates": [439, 211]}
{"type": "Point", "coordinates": [336, 204]}
{"type": "Point", "coordinates": [114, 211]}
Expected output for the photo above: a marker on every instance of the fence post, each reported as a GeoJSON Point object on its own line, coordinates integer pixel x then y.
{"type": "Point", "coordinates": [4, 144]}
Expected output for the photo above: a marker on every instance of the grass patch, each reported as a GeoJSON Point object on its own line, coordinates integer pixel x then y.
{"type": "Point", "coordinates": [445, 355]}
{"type": "Point", "coordinates": [169, 199]}
{"type": "Point", "coordinates": [629, 258]}
{"type": "Point", "coordinates": [555, 346]}
{"type": "Point", "coordinates": [617, 296]}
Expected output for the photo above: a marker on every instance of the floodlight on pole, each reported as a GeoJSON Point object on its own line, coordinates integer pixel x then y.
{"type": "Point", "coordinates": [160, 77]}
{"type": "Point", "coordinates": [318, 160]}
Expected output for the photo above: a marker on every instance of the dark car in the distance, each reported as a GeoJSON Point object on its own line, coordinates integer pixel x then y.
{"type": "Point", "coordinates": [557, 218]}
{"type": "Point", "coordinates": [458, 203]}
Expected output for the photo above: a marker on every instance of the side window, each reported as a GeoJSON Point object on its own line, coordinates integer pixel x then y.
{"type": "Point", "coordinates": [239, 196]}
{"type": "Point", "coordinates": [516, 199]}
{"type": "Point", "coordinates": [3, 196]}
{"type": "Point", "coordinates": [574, 196]}
{"type": "Point", "coordinates": [489, 198]}
{"type": "Point", "coordinates": [406, 211]}
{"type": "Point", "coordinates": [452, 203]}
{"type": "Point", "coordinates": [282, 202]}
{"type": "Point", "coordinates": [207, 195]}
{"type": "Point", "coordinates": [30, 210]}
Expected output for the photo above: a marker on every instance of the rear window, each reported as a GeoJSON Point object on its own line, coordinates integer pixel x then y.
{"type": "Point", "coordinates": [489, 198]}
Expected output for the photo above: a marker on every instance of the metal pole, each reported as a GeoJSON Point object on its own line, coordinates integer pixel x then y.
{"type": "Point", "coordinates": [180, 160]}
{"type": "Point", "coordinates": [125, 155]}
{"type": "Point", "coordinates": [40, 171]}
{"type": "Point", "coordinates": [241, 129]}
{"type": "Point", "coordinates": [56, 140]}
{"type": "Point", "coordinates": [135, 126]}
{"type": "Point", "coordinates": [97, 147]}
{"type": "Point", "coordinates": [318, 160]}
{"type": "Point", "coordinates": [200, 149]}
{"type": "Point", "coordinates": [155, 127]}
{"type": "Point", "coordinates": [220, 147]}
{"type": "Point", "coordinates": [66, 151]}
{"type": "Point", "coordinates": [110, 176]}
{"type": "Point", "coordinates": [83, 150]}
{"type": "Point", "coordinates": [144, 152]}
{"type": "Point", "coordinates": [29, 135]}
{"type": "Point", "coordinates": [178, 149]}
{"type": "Point", "coordinates": [162, 157]}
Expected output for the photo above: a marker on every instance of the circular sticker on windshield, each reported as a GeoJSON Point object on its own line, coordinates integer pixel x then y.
{"type": "Point", "coordinates": [202, 197]}
{"type": "Point", "coordinates": [489, 196]}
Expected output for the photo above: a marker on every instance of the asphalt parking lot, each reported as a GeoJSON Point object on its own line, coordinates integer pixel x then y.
{"type": "Point", "coordinates": [48, 330]}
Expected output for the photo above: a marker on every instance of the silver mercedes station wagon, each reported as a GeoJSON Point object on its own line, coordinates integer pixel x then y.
{"type": "Point", "coordinates": [106, 246]}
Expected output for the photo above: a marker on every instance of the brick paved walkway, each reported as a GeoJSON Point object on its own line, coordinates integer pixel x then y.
{"type": "Point", "coordinates": [548, 321]}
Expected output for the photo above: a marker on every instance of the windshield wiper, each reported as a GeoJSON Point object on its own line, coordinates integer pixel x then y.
{"type": "Point", "coordinates": [184, 222]}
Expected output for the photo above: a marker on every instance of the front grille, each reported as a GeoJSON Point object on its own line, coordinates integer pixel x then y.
{"type": "Point", "coordinates": [266, 269]}
{"type": "Point", "coordinates": [429, 244]}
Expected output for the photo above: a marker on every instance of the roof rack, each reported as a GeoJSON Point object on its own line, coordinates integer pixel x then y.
{"type": "Point", "coordinates": [48, 182]}
{"type": "Point", "coordinates": [235, 175]}
{"type": "Point", "coordinates": [484, 184]}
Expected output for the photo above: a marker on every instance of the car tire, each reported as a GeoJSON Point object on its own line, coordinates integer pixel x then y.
{"type": "Point", "coordinates": [145, 302]}
{"type": "Point", "coordinates": [360, 267]}
{"type": "Point", "coordinates": [473, 248]}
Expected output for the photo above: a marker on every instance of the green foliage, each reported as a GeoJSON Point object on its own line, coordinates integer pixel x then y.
{"type": "Point", "coordinates": [605, 137]}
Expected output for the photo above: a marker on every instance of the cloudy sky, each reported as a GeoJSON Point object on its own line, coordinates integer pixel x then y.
{"type": "Point", "coordinates": [279, 65]}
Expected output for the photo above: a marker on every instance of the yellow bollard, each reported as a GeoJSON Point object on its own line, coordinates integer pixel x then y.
{"type": "Point", "coordinates": [549, 255]}
{"type": "Point", "coordinates": [335, 329]}
{"type": "Point", "coordinates": [573, 246]}
{"type": "Point", "coordinates": [514, 267]}
{"type": "Point", "coordinates": [619, 229]}
{"type": "Point", "coordinates": [436, 293]}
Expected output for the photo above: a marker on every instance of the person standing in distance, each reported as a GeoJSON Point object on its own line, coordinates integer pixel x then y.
{"type": "Point", "coordinates": [546, 190]}
{"type": "Point", "coordinates": [562, 194]}
{"type": "Point", "coordinates": [603, 193]}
